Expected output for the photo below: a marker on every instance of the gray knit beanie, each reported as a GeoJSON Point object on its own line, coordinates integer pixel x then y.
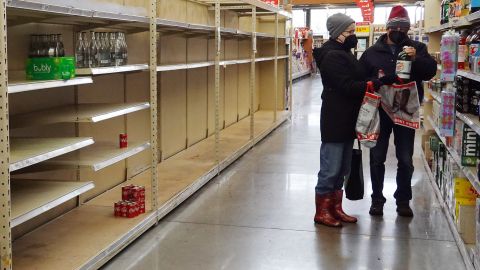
{"type": "Point", "coordinates": [337, 24]}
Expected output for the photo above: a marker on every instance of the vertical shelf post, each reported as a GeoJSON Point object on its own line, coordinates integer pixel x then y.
{"type": "Point", "coordinates": [218, 47]}
{"type": "Point", "coordinates": [5, 199]}
{"type": "Point", "coordinates": [275, 70]}
{"type": "Point", "coordinates": [252, 73]}
{"type": "Point", "coordinates": [290, 67]}
{"type": "Point", "coordinates": [153, 103]}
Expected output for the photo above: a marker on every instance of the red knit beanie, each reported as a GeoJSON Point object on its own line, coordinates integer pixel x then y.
{"type": "Point", "coordinates": [398, 18]}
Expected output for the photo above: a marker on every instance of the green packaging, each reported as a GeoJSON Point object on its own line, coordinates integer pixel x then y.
{"type": "Point", "coordinates": [50, 68]}
{"type": "Point", "coordinates": [470, 147]}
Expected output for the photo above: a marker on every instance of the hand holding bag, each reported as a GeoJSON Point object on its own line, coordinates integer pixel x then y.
{"type": "Point", "coordinates": [354, 186]}
{"type": "Point", "coordinates": [368, 121]}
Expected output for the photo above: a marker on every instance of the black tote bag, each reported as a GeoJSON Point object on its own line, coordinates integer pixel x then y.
{"type": "Point", "coordinates": [354, 186]}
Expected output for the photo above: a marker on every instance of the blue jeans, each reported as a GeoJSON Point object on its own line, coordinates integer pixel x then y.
{"type": "Point", "coordinates": [404, 139]}
{"type": "Point", "coordinates": [335, 162]}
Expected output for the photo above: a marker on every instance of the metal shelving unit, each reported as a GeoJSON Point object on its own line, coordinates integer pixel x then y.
{"type": "Point", "coordinates": [23, 86]}
{"type": "Point", "coordinates": [31, 198]}
{"type": "Point", "coordinates": [99, 156]}
{"type": "Point", "coordinates": [25, 152]}
{"type": "Point", "coordinates": [463, 248]}
{"type": "Point", "coordinates": [80, 113]}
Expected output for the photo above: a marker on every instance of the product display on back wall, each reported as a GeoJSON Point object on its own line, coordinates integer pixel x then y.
{"type": "Point", "coordinates": [100, 49]}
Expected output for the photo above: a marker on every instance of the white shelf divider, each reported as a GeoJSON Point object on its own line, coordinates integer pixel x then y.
{"type": "Point", "coordinates": [99, 156]}
{"type": "Point", "coordinates": [31, 198]}
{"type": "Point", "coordinates": [111, 70]}
{"type": "Point", "coordinates": [23, 86]}
{"type": "Point", "coordinates": [468, 74]}
{"type": "Point", "coordinates": [81, 113]}
{"type": "Point", "coordinates": [25, 152]}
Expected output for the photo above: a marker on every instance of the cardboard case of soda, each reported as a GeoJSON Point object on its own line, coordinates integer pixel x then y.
{"type": "Point", "coordinates": [50, 68]}
{"type": "Point", "coordinates": [132, 203]}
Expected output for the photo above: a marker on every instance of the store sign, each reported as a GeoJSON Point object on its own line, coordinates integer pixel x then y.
{"type": "Point", "coordinates": [367, 7]}
{"type": "Point", "coordinates": [362, 27]}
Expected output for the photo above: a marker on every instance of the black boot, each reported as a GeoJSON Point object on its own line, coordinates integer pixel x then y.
{"type": "Point", "coordinates": [404, 210]}
{"type": "Point", "coordinates": [377, 208]}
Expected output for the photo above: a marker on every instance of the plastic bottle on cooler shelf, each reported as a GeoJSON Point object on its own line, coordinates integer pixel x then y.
{"type": "Point", "coordinates": [473, 49]}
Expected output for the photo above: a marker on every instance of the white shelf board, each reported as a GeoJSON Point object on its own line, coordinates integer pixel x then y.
{"type": "Point", "coordinates": [473, 17]}
{"type": "Point", "coordinates": [243, 6]}
{"type": "Point", "coordinates": [23, 86]}
{"type": "Point", "coordinates": [469, 75]}
{"type": "Point", "coordinates": [457, 23]}
{"type": "Point", "coordinates": [463, 248]}
{"type": "Point", "coordinates": [111, 70]}
{"type": "Point", "coordinates": [31, 198]}
{"type": "Point", "coordinates": [471, 120]}
{"type": "Point", "coordinates": [81, 113]}
{"type": "Point", "coordinates": [25, 152]}
{"type": "Point", "coordinates": [99, 156]}
{"type": "Point", "coordinates": [56, 7]}
{"type": "Point", "coordinates": [469, 172]}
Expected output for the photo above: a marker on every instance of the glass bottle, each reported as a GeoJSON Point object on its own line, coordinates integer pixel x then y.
{"type": "Point", "coordinates": [112, 43]}
{"type": "Point", "coordinates": [93, 51]}
{"type": "Point", "coordinates": [51, 46]}
{"type": "Point", "coordinates": [124, 49]}
{"type": "Point", "coordinates": [32, 50]}
{"type": "Point", "coordinates": [60, 47]}
{"type": "Point", "coordinates": [404, 65]}
{"type": "Point", "coordinates": [80, 52]}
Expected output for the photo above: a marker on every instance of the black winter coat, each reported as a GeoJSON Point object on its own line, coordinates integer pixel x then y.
{"type": "Point", "coordinates": [344, 86]}
{"type": "Point", "coordinates": [380, 56]}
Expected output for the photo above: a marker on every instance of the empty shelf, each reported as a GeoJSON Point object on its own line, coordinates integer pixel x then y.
{"type": "Point", "coordinates": [31, 198]}
{"type": "Point", "coordinates": [99, 156]}
{"type": "Point", "coordinates": [111, 70]}
{"type": "Point", "coordinates": [25, 152]}
{"type": "Point", "coordinates": [23, 86]}
{"type": "Point", "coordinates": [82, 113]}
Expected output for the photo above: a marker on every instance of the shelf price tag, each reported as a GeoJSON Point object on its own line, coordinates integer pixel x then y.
{"type": "Point", "coordinates": [362, 27]}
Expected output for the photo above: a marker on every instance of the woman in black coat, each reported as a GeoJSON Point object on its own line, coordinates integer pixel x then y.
{"type": "Point", "coordinates": [344, 86]}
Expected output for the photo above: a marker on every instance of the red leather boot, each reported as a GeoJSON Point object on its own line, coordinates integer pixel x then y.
{"type": "Point", "coordinates": [338, 211]}
{"type": "Point", "coordinates": [324, 206]}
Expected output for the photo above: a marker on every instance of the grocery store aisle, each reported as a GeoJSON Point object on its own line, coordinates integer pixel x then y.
{"type": "Point", "coordinates": [258, 214]}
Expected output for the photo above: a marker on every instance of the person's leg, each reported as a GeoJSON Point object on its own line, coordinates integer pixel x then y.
{"type": "Point", "coordinates": [404, 144]}
{"type": "Point", "coordinates": [344, 175]}
{"type": "Point", "coordinates": [346, 163]}
{"type": "Point", "coordinates": [378, 155]}
{"type": "Point", "coordinates": [330, 166]}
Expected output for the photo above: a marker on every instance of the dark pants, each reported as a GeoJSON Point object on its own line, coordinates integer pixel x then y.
{"type": "Point", "coordinates": [404, 139]}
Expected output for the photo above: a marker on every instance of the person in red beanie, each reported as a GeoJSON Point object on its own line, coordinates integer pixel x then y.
{"type": "Point", "coordinates": [382, 56]}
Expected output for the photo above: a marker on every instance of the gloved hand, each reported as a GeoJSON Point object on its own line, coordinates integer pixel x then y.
{"type": "Point", "coordinates": [388, 79]}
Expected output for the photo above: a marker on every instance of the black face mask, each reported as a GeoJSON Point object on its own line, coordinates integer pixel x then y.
{"type": "Point", "coordinates": [397, 37]}
{"type": "Point", "coordinates": [350, 42]}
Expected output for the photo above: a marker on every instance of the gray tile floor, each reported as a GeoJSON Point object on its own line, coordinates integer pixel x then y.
{"type": "Point", "coordinates": [258, 215]}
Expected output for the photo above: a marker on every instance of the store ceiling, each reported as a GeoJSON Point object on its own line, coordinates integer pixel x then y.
{"type": "Point", "coordinates": [343, 2]}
